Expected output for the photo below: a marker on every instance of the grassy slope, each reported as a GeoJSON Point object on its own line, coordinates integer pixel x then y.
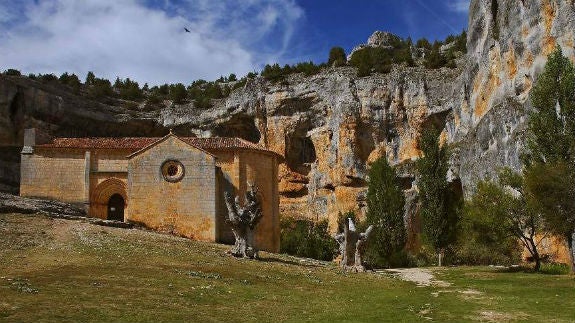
{"type": "Point", "coordinates": [59, 270]}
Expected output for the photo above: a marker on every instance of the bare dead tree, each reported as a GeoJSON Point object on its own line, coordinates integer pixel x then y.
{"type": "Point", "coordinates": [351, 246]}
{"type": "Point", "coordinates": [243, 221]}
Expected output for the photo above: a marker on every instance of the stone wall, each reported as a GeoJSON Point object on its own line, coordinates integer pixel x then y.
{"type": "Point", "coordinates": [186, 207]}
{"type": "Point", "coordinates": [57, 174]}
{"type": "Point", "coordinates": [239, 169]}
{"type": "Point", "coordinates": [261, 170]}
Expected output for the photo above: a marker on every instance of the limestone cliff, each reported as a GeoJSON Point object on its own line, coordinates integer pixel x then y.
{"type": "Point", "coordinates": [331, 125]}
{"type": "Point", "coordinates": [508, 43]}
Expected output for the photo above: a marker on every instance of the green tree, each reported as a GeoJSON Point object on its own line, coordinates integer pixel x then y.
{"type": "Point", "coordinates": [178, 93]}
{"type": "Point", "coordinates": [70, 80]}
{"type": "Point", "coordinates": [90, 77]}
{"type": "Point", "coordinates": [550, 171]}
{"type": "Point", "coordinates": [100, 88]}
{"type": "Point", "coordinates": [336, 57]}
{"type": "Point", "coordinates": [423, 43]}
{"type": "Point", "coordinates": [385, 211]}
{"type": "Point", "coordinates": [438, 205]}
{"type": "Point", "coordinates": [435, 59]}
{"type": "Point", "coordinates": [505, 207]}
{"type": "Point", "coordinates": [12, 72]}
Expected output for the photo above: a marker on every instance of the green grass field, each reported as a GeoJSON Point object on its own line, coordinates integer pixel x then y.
{"type": "Point", "coordinates": [55, 270]}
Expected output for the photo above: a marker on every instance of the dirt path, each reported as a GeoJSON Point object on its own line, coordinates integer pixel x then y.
{"type": "Point", "coordinates": [420, 276]}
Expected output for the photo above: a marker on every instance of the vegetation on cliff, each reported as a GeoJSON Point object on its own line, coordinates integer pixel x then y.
{"type": "Point", "coordinates": [201, 92]}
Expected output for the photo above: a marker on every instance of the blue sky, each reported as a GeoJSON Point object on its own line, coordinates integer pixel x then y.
{"type": "Point", "coordinates": [145, 39]}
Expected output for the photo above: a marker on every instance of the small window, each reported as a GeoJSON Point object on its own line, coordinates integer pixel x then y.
{"type": "Point", "coordinates": [172, 171]}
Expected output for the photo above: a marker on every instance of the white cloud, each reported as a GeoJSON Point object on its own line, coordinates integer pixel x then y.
{"type": "Point", "coordinates": [146, 43]}
{"type": "Point", "coordinates": [459, 6]}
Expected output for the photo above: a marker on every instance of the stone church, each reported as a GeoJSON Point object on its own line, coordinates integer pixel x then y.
{"type": "Point", "coordinates": [170, 184]}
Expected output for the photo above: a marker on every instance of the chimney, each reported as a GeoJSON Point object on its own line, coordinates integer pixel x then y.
{"type": "Point", "coordinates": [33, 137]}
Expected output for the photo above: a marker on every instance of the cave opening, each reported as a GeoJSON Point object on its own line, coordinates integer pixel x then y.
{"type": "Point", "coordinates": [300, 153]}
{"type": "Point", "coordinates": [241, 126]}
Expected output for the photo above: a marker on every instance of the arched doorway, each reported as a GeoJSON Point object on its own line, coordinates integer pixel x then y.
{"type": "Point", "coordinates": [116, 208]}
{"type": "Point", "coordinates": [110, 193]}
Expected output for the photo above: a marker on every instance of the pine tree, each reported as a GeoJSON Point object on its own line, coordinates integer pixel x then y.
{"type": "Point", "coordinates": [550, 171]}
{"type": "Point", "coordinates": [90, 78]}
{"type": "Point", "coordinates": [385, 203]}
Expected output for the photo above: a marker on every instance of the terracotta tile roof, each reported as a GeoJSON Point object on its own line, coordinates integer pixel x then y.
{"type": "Point", "coordinates": [101, 143]}
{"type": "Point", "coordinates": [136, 143]}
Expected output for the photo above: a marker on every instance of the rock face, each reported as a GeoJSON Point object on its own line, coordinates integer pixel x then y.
{"type": "Point", "coordinates": [508, 43]}
{"type": "Point", "coordinates": [378, 39]}
{"type": "Point", "coordinates": [331, 125]}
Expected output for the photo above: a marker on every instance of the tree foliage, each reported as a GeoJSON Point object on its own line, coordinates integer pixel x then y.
{"type": "Point", "coordinates": [550, 171]}
{"type": "Point", "coordinates": [305, 238]}
{"type": "Point", "coordinates": [438, 203]}
{"type": "Point", "coordinates": [128, 89]}
{"type": "Point", "coordinates": [385, 211]}
{"type": "Point", "coordinates": [178, 93]}
{"type": "Point", "coordinates": [12, 72]}
{"type": "Point", "coordinates": [336, 57]}
{"type": "Point", "coordinates": [504, 215]}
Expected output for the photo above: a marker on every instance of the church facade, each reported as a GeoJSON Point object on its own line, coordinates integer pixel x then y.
{"type": "Point", "coordinates": [170, 184]}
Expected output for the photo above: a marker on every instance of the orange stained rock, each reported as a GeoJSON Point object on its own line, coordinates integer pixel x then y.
{"type": "Point", "coordinates": [511, 63]}
{"type": "Point", "coordinates": [549, 44]}
{"type": "Point", "coordinates": [549, 13]}
{"type": "Point", "coordinates": [528, 61]}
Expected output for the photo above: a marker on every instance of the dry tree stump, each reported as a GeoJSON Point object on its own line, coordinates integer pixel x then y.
{"type": "Point", "coordinates": [351, 246]}
{"type": "Point", "coordinates": [243, 221]}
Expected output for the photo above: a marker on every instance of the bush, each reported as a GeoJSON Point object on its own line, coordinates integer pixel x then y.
{"type": "Point", "coordinates": [12, 72]}
{"type": "Point", "coordinates": [305, 238]}
{"type": "Point", "coordinates": [482, 237]}
{"type": "Point", "coordinates": [177, 93]}
{"type": "Point", "coordinates": [100, 88]}
{"type": "Point", "coordinates": [71, 80]}
{"type": "Point", "coordinates": [48, 78]}
{"type": "Point", "coordinates": [336, 57]}
{"type": "Point", "coordinates": [554, 268]}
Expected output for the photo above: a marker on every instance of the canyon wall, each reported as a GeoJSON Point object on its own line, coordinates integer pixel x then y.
{"type": "Point", "coordinates": [330, 126]}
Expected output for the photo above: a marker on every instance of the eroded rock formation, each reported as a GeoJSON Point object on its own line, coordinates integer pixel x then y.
{"type": "Point", "coordinates": [331, 125]}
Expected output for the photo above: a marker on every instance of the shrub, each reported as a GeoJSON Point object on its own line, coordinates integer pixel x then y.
{"type": "Point", "coordinates": [554, 268]}
{"type": "Point", "coordinates": [12, 72]}
{"type": "Point", "coordinates": [305, 238]}
{"type": "Point", "coordinates": [177, 93]}
{"type": "Point", "coordinates": [483, 237]}
{"type": "Point", "coordinates": [336, 57]}
{"type": "Point", "coordinates": [48, 78]}
{"type": "Point", "coordinates": [71, 80]}
{"type": "Point", "coordinates": [100, 88]}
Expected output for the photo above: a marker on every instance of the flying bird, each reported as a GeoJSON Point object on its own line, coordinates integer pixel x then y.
{"type": "Point", "coordinates": [187, 30]}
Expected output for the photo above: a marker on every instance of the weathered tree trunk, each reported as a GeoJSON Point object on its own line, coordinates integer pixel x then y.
{"type": "Point", "coordinates": [351, 245]}
{"type": "Point", "coordinates": [439, 257]}
{"type": "Point", "coordinates": [243, 222]}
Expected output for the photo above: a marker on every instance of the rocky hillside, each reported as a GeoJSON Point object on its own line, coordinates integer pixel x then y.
{"type": "Point", "coordinates": [329, 126]}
